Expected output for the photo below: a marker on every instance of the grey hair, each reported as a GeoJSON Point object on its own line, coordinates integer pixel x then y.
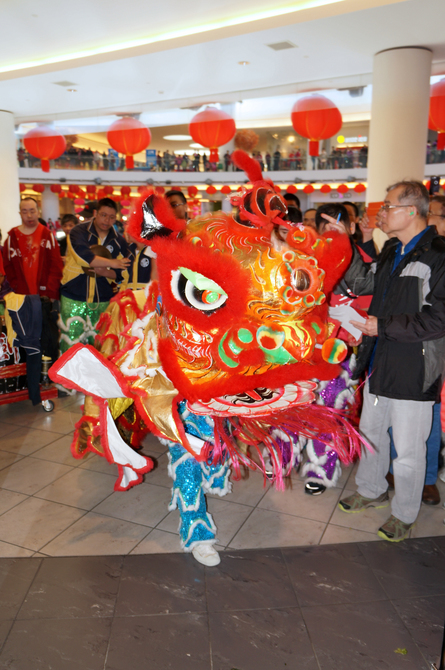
{"type": "Point", "coordinates": [413, 193]}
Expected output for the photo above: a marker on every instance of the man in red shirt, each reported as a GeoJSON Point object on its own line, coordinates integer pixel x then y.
{"type": "Point", "coordinates": [31, 255]}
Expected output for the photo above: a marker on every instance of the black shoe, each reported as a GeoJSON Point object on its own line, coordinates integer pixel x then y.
{"type": "Point", "coordinates": [314, 489]}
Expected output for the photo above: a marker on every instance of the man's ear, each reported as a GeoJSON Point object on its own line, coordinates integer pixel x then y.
{"type": "Point", "coordinates": [353, 227]}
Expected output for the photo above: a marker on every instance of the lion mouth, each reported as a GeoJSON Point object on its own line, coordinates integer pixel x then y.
{"type": "Point", "coordinates": [259, 401]}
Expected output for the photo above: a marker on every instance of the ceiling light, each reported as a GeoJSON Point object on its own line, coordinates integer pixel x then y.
{"type": "Point", "coordinates": [177, 138]}
{"type": "Point", "coordinates": [291, 138]}
{"type": "Point", "coordinates": [64, 84]}
{"type": "Point", "coordinates": [174, 34]}
{"type": "Point", "coordinates": [72, 90]}
{"type": "Point", "coordinates": [279, 46]}
{"type": "Point", "coordinates": [243, 62]}
{"type": "Point", "coordinates": [195, 146]}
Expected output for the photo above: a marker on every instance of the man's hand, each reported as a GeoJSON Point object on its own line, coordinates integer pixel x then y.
{"type": "Point", "coordinates": [365, 228]}
{"type": "Point", "coordinates": [370, 327]}
{"type": "Point", "coordinates": [119, 263]}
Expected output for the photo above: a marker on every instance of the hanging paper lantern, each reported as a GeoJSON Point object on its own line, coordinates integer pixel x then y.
{"type": "Point", "coordinates": [211, 190]}
{"type": "Point", "coordinates": [38, 188]}
{"type": "Point", "coordinates": [125, 190]}
{"type": "Point", "coordinates": [212, 128]}
{"type": "Point", "coordinates": [325, 188]}
{"type": "Point", "coordinates": [74, 188]}
{"type": "Point", "coordinates": [62, 194]}
{"type": "Point", "coordinates": [360, 188]}
{"type": "Point", "coordinates": [44, 143]}
{"type": "Point", "coordinates": [71, 195]}
{"type": "Point", "coordinates": [277, 188]}
{"type": "Point", "coordinates": [291, 189]}
{"type": "Point", "coordinates": [226, 190]}
{"type": "Point", "coordinates": [436, 119]}
{"type": "Point", "coordinates": [342, 188]}
{"type": "Point", "coordinates": [101, 194]}
{"type": "Point", "coordinates": [142, 189]}
{"type": "Point", "coordinates": [125, 202]}
{"type": "Point", "coordinates": [108, 190]}
{"type": "Point", "coordinates": [55, 188]}
{"type": "Point", "coordinates": [246, 140]}
{"type": "Point", "coordinates": [308, 189]}
{"type": "Point", "coordinates": [192, 191]}
{"type": "Point", "coordinates": [78, 210]}
{"type": "Point", "coordinates": [160, 190]}
{"type": "Point", "coordinates": [22, 187]}
{"type": "Point", "coordinates": [128, 136]}
{"type": "Point", "coordinates": [125, 211]}
{"type": "Point", "coordinates": [316, 118]}
{"type": "Point", "coordinates": [91, 189]}
{"type": "Point", "coordinates": [117, 198]}
{"type": "Point", "coordinates": [79, 201]}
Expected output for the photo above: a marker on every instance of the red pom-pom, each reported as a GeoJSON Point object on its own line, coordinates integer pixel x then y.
{"type": "Point", "coordinates": [250, 166]}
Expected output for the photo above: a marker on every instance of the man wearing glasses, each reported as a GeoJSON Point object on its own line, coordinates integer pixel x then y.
{"type": "Point", "coordinates": [96, 257]}
{"type": "Point", "coordinates": [403, 352]}
{"type": "Point", "coordinates": [178, 202]}
{"type": "Point", "coordinates": [436, 215]}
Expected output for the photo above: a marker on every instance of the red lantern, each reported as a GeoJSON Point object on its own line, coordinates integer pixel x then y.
{"type": "Point", "coordinates": [125, 211]}
{"type": "Point", "coordinates": [125, 202]}
{"type": "Point", "coordinates": [436, 119]}
{"type": "Point", "coordinates": [212, 128]}
{"type": "Point", "coordinates": [22, 187]}
{"type": "Point", "coordinates": [291, 189]}
{"type": "Point", "coordinates": [74, 188]}
{"type": "Point", "coordinates": [91, 189]}
{"type": "Point", "coordinates": [101, 194]}
{"type": "Point", "coordinates": [142, 189]}
{"type": "Point", "coordinates": [71, 195]}
{"type": "Point", "coordinates": [38, 188]}
{"type": "Point", "coordinates": [316, 118]}
{"type": "Point", "coordinates": [44, 143]}
{"type": "Point", "coordinates": [211, 190]}
{"type": "Point", "coordinates": [360, 188]}
{"type": "Point", "coordinates": [79, 201]}
{"type": "Point", "coordinates": [55, 188]}
{"type": "Point", "coordinates": [325, 188]}
{"type": "Point", "coordinates": [117, 198]}
{"type": "Point", "coordinates": [308, 189]}
{"type": "Point", "coordinates": [160, 190]}
{"type": "Point", "coordinates": [125, 190]}
{"type": "Point", "coordinates": [62, 194]}
{"type": "Point", "coordinates": [226, 190]}
{"type": "Point", "coordinates": [128, 136]}
{"type": "Point", "coordinates": [277, 189]}
{"type": "Point", "coordinates": [342, 188]}
{"type": "Point", "coordinates": [108, 190]}
{"type": "Point", "coordinates": [78, 210]}
{"type": "Point", "coordinates": [192, 191]}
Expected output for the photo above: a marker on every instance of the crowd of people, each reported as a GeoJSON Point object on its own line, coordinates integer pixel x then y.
{"type": "Point", "coordinates": [395, 328]}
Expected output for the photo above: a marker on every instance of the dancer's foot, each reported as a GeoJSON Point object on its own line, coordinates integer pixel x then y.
{"type": "Point", "coordinates": [206, 554]}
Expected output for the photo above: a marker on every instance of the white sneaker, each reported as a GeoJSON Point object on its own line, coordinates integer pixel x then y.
{"type": "Point", "coordinates": [206, 554]}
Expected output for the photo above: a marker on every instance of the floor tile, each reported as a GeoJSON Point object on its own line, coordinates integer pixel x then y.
{"type": "Point", "coordinates": [67, 588]}
{"type": "Point", "coordinates": [71, 644]}
{"type": "Point", "coordinates": [33, 523]}
{"type": "Point", "coordinates": [144, 504]}
{"type": "Point", "coordinates": [249, 580]}
{"type": "Point", "coordinates": [7, 429]}
{"type": "Point", "coordinates": [16, 576]}
{"type": "Point", "coordinates": [5, 627]}
{"type": "Point", "coordinates": [57, 422]}
{"type": "Point", "coordinates": [179, 642]}
{"type": "Point", "coordinates": [339, 535]}
{"type": "Point", "coordinates": [424, 619]}
{"type": "Point", "coordinates": [152, 446]}
{"type": "Point", "coordinates": [79, 488]}
{"type": "Point", "coordinates": [248, 491]}
{"type": "Point", "coordinates": [25, 441]}
{"type": "Point", "coordinates": [98, 464]}
{"type": "Point", "coordinates": [58, 451]}
{"type": "Point", "coordinates": [430, 522]}
{"type": "Point", "coordinates": [13, 551]}
{"type": "Point", "coordinates": [161, 584]}
{"type": "Point", "coordinates": [365, 636]}
{"type": "Point", "coordinates": [159, 475]}
{"type": "Point", "coordinates": [158, 542]}
{"type": "Point", "coordinates": [29, 475]}
{"type": "Point", "coordinates": [298, 503]}
{"type": "Point", "coordinates": [271, 529]}
{"type": "Point", "coordinates": [408, 569]}
{"type": "Point", "coordinates": [96, 535]}
{"type": "Point", "coordinates": [331, 575]}
{"type": "Point", "coordinates": [260, 639]}
{"type": "Point", "coordinates": [7, 458]}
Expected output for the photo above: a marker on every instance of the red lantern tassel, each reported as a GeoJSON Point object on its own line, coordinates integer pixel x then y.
{"type": "Point", "coordinates": [441, 141]}
{"type": "Point", "coordinates": [129, 162]}
{"type": "Point", "coordinates": [44, 164]}
{"type": "Point", "coordinates": [214, 156]}
{"type": "Point", "coordinates": [313, 147]}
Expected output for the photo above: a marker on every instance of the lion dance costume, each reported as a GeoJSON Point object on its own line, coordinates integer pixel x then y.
{"type": "Point", "coordinates": [217, 357]}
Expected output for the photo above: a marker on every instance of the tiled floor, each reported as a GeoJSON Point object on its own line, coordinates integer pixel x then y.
{"type": "Point", "coordinates": [54, 505]}
{"type": "Point", "coordinates": [88, 575]}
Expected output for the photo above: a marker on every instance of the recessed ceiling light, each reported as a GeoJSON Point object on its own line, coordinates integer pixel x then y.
{"type": "Point", "coordinates": [279, 46]}
{"type": "Point", "coordinates": [195, 146]}
{"type": "Point", "coordinates": [64, 84]}
{"type": "Point", "coordinates": [72, 90]}
{"type": "Point", "coordinates": [243, 62]}
{"type": "Point", "coordinates": [177, 138]}
{"type": "Point", "coordinates": [161, 92]}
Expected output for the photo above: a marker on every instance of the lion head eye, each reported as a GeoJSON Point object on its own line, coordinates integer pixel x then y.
{"type": "Point", "coordinates": [301, 280]}
{"type": "Point", "coordinates": [197, 291]}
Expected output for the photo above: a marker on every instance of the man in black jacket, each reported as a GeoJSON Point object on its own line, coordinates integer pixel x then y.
{"type": "Point", "coordinates": [403, 351]}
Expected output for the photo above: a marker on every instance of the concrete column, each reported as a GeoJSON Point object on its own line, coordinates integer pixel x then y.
{"type": "Point", "coordinates": [9, 171]}
{"type": "Point", "coordinates": [50, 205]}
{"type": "Point", "coordinates": [399, 118]}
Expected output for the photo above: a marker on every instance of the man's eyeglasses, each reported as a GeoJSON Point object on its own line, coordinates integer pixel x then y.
{"type": "Point", "coordinates": [441, 216]}
{"type": "Point", "coordinates": [177, 204]}
{"type": "Point", "coordinates": [386, 208]}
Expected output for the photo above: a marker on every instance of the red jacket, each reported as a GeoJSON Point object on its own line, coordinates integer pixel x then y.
{"type": "Point", "coordinates": [50, 267]}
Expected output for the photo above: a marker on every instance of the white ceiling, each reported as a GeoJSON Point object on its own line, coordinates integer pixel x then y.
{"type": "Point", "coordinates": [335, 49]}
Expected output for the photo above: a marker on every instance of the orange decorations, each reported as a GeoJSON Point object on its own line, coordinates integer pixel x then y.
{"type": "Point", "coordinates": [316, 118]}
{"type": "Point", "coordinates": [38, 188]}
{"type": "Point", "coordinates": [308, 189]}
{"type": "Point", "coordinates": [211, 190]}
{"type": "Point", "coordinates": [44, 143]}
{"type": "Point", "coordinates": [212, 128]}
{"type": "Point", "coordinates": [192, 191]}
{"type": "Point", "coordinates": [342, 188]}
{"type": "Point", "coordinates": [325, 188]}
{"type": "Point", "coordinates": [436, 119]}
{"type": "Point", "coordinates": [55, 188]}
{"type": "Point", "coordinates": [360, 188]}
{"type": "Point", "coordinates": [128, 136]}
{"type": "Point", "coordinates": [291, 189]}
{"type": "Point", "coordinates": [246, 139]}
{"type": "Point", "coordinates": [226, 190]}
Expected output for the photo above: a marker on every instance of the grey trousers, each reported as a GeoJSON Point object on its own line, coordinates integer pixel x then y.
{"type": "Point", "coordinates": [411, 424]}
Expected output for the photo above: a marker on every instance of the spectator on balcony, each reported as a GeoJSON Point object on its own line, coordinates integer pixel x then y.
{"type": "Point", "coordinates": [196, 161]}
{"type": "Point", "coordinates": [268, 159]}
{"type": "Point", "coordinates": [96, 258]}
{"type": "Point", "coordinates": [168, 159]}
{"type": "Point", "coordinates": [322, 160]}
{"type": "Point", "coordinates": [227, 160]}
{"type": "Point", "coordinates": [159, 161]}
{"type": "Point", "coordinates": [277, 159]}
